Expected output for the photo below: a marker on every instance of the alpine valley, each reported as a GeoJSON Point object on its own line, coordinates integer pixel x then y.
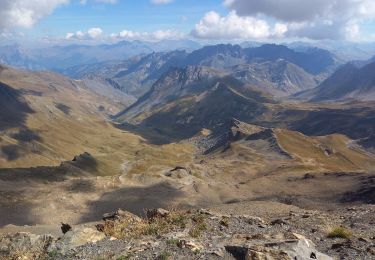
{"type": "Point", "coordinates": [269, 139]}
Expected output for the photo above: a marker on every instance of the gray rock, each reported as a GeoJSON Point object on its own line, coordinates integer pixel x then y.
{"type": "Point", "coordinates": [121, 214]}
{"type": "Point", "coordinates": [25, 245]}
{"type": "Point", "coordinates": [77, 237]}
{"type": "Point", "coordinates": [297, 248]}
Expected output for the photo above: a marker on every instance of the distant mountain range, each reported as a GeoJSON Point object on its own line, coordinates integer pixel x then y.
{"type": "Point", "coordinates": [58, 58]}
{"type": "Point", "coordinates": [271, 68]}
{"type": "Point", "coordinates": [185, 101]}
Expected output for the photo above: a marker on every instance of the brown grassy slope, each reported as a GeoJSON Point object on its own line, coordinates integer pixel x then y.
{"type": "Point", "coordinates": [67, 120]}
{"type": "Point", "coordinates": [326, 153]}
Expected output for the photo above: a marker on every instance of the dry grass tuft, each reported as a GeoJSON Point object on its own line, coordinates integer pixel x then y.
{"type": "Point", "coordinates": [199, 225]}
{"type": "Point", "coordinates": [134, 228]}
{"type": "Point", "coordinates": [339, 232]}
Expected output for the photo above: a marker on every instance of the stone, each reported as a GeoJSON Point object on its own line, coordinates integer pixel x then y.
{"type": "Point", "coordinates": [371, 250]}
{"type": "Point", "coordinates": [77, 237]}
{"type": "Point", "coordinates": [156, 213]}
{"type": "Point", "coordinates": [279, 222]}
{"type": "Point", "coordinates": [252, 220]}
{"type": "Point", "coordinates": [121, 214]}
{"type": "Point", "coordinates": [27, 245]}
{"type": "Point", "coordinates": [190, 244]}
{"type": "Point", "coordinates": [362, 239]}
{"type": "Point", "coordinates": [297, 248]}
{"type": "Point", "coordinates": [65, 228]}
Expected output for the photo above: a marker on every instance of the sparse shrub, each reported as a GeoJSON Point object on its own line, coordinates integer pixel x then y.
{"type": "Point", "coordinates": [164, 255]}
{"type": "Point", "coordinates": [199, 225]}
{"type": "Point", "coordinates": [130, 228]}
{"type": "Point", "coordinates": [224, 221]}
{"type": "Point", "coordinates": [197, 230]}
{"type": "Point", "coordinates": [173, 242]}
{"type": "Point", "coordinates": [178, 219]}
{"type": "Point", "coordinates": [125, 257]}
{"type": "Point", "coordinates": [53, 254]}
{"type": "Point", "coordinates": [199, 218]}
{"type": "Point", "coordinates": [339, 232]}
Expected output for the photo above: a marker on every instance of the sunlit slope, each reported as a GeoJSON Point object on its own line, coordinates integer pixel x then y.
{"type": "Point", "coordinates": [275, 147]}
{"type": "Point", "coordinates": [57, 119]}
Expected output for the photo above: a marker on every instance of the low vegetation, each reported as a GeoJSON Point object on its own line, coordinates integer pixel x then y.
{"type": "Point", "coordinates": [199, 225]}
{"type": "Point", "coordinates": [134, 227]}
{"type": "Point", "coordinates": [339, 232]}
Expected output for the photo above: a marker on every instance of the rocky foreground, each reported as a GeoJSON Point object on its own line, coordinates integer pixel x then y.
{"type": "Point", "coordinates": [291, 233]}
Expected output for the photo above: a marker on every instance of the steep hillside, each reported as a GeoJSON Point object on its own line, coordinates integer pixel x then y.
{"type": "Point", "coordinates": [312, 60]}
{"type": "Point", "coordinates": [279, 78]}
{"type": "Point", "coordinates": [47, 118]}
{"type": "Point", "coordinates": [324, 153]}
{"type": "Point", "coordinates": [198, 97]}
{"type": "Point", "coordinates": [217, 56]}
{"type": "Point", "coordinates": [108, 88]}
{"type": "Point", "coordinates": [348, 82]}
{"type": "Point", "coordinates": [183, 102]}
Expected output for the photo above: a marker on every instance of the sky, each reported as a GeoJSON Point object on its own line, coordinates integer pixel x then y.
{"type": "Point", "coordinates": [93, 21]}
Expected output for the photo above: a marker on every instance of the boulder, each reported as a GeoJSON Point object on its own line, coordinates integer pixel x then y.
{"type": "Point", "coordinates": [76, 237]}
{"type": "Point", "coordinates": [297, 247]}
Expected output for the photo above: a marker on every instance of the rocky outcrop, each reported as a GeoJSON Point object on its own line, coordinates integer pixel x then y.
{"type": "Point", "coordinates": [185, 234]}
{"type": "Point", "coordinates": [24, 246]}
{"type": "Point", "coordinates": [79, 236]}
{"type": "Point", "coordinates": [293, 247]}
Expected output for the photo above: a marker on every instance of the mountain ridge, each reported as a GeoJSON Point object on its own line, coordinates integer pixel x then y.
{"type": "Point", "coordinates": [348, 82]}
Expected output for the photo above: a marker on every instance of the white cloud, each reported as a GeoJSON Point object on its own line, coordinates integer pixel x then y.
{"type": "Point", "coordinates": [106, 1]}
{"type": "Point", "coordinates": [148, 36]}
{"type": "Point", "coordinates": [318, 19]}
{"type": "Point", "coordinates": [353, 31]}
{"type": "Point", "coordinates": [69, 35]}
{"type": "Point", "coordinates": [83, 2]}
{"type": "Point", "coordinates": [25, 13]}
{"type": "Point", "coordinates": [232, 26]}
{"type": "Point", "coordinates": [161, 2]}
{"type": "Point", "coordinates": [92, 33]}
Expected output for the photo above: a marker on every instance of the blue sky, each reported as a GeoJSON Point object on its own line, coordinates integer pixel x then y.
{"type": "Point", "coordinates": [139, 15]}
{"type": "Point", "coordinates": [205, 20]}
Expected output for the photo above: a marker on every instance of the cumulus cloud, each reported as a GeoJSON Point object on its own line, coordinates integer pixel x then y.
{"type": "Point", "coordinates": [232, 26]}
{"type": "Point", "coordinates": [161, 2]}
{"type": "Point", "coordinates": [92, 33]}
{"type": "Point", "coordinates": [149, 36]}
{"type": "Point", "coordinates": [25, 13]}
{"type": "Point", "coordinates": [318, 19]}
